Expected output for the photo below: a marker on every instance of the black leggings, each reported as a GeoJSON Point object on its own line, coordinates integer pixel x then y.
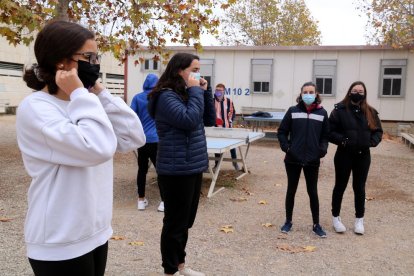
{"type": "Point", "coordinates": [346, 161]}
{"type": "Point", "coordinates": [311, 176]}
{"type": "Point", "coordinates": [90, 264]}
{"type": "Point", "coordinates": [145, 153]}
{"type": "Point", "coordinates": [181, 194]}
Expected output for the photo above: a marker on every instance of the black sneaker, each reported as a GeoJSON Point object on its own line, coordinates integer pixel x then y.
{"type": "Point", "coordinates": [317, 229]}
{"type": "Point", "coordinates": [286, 227]}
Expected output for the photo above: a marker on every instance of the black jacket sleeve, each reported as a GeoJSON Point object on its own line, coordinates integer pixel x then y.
{"type": "Point", "coordinates": [209, 115]}
{"type": "Point", "coordinates": [376, 134]}
{"type": "Point", "coordinates": [284, 130]}
{"type": "Point", "coordinates": [324, 141]}
{"type": "Point", "coordinates": [336, 135]}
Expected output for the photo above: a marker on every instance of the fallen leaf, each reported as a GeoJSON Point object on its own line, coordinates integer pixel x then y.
{"type": "Point", "coordinates": [296, 249]}
{"type": "Point", "coordinates": [227, 229]}
{"type": "Point", "coordinates": [238, 199]}
{"type": "Point", "coordinates": [137, 243]}
{"type": "Point", "coordinates": [309, 248]}
{"type": "Point", "coordinates": [263, 202]}
{"type": "Point", "coordinates": [368, 198]}
{"type": "Point", "coordinates": [267, 224]}
{"type": "Point", "coordinates": [4, 219]}
{"type": "Point", "coordinates": [117, 238]}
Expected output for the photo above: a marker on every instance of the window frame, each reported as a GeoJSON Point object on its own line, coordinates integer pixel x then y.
{"type": "Point", "coordinates": [151, 62]}
{"type": "Point", "coordinates": [261, 61]}
{"type": "Point", "coordinates": [315, 75]}
{"type": "Point", "coordinates": [391, 64]}
{"type": "Point", "coordinates": [208, 62]}
{"type": "Point", "coordinates": [11, 69]}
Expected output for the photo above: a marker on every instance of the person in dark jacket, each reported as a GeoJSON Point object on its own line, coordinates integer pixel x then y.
{"type": "Point", "coordinates": [355, 127]}
{"type": "Point", "coordinates": [181, 106]}
{"type": "Point", "coordinates": [303, 136]}
{"type": "Point", "coordinates": [149, 151]}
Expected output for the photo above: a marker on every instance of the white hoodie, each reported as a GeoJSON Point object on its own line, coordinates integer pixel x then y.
{"type": "Point", "coordinates": [67, 149]}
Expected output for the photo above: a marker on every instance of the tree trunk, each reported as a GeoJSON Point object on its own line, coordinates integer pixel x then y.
{"type": "Point", "coordinates": [62, 10]}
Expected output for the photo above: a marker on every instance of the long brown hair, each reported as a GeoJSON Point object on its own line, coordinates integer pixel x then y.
{"type": "Point", "coordinates": [368, 110]}
{"type": "Point", "coordinates": [171, 77]}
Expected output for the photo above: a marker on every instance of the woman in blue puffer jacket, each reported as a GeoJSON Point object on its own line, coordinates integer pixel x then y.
{"type": "Point", "coordinates": [303, 134]}
{"type": "Point", "coordinates": [181, 105]}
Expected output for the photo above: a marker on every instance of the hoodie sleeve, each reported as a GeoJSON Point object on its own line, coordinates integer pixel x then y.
{"type": "Point", "coordinates": [127, 126]}
{"type": "Point", "coordinates": [79, 135]}
{"type": "Point", "coordinates": [134, 104]}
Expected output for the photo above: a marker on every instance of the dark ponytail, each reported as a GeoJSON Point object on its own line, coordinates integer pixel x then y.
{"type": "Point", "coordinates": [32, 79]}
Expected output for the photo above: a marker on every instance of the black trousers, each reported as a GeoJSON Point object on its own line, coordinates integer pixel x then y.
{"type": "Point", "coordinates": [90, 264]}
{"type": "Point", "coordinates": [181, 198]}
{"type": "Point", "coordinates": [145, 153]}
{"type": "Point", "coordinates": [311, 176]}
{"type": "Point", "coordinates": [357, 162]}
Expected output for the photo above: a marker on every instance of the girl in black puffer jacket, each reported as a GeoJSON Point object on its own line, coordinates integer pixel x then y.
{"type": "Point", "coordinates": [355, 127]}
{"type": "Point", "coordinates": [303, 135]}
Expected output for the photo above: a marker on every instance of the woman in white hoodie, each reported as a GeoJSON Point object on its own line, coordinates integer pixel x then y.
{"type": "Point", "coordinates": [68, 131]}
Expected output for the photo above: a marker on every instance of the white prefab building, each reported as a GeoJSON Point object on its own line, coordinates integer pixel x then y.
{"type": "Point", "coordinates": [271, 77]}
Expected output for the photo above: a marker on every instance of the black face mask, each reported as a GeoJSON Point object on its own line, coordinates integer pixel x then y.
{"type": "Point", "coordinates": [356, 97]}
{"type": "Point", "coordinates": [88, 73]}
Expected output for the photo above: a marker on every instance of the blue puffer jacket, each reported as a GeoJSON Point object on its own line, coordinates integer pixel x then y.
{"type": "Point", "coordinates": [304, 136]}
{"type": "Point", "coordinates": [140, 105]}
{"type": "Point", "coordinates": [182, 147]}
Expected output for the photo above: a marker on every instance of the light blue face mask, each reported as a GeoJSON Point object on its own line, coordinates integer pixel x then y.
{"type": "Point", "coordinates": [308, 99]}
{"type": "Point", "coordinates": [197, 75]}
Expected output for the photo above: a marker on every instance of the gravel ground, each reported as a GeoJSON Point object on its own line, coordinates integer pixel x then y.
{"type": "Point", "coordinates": [251, 249]}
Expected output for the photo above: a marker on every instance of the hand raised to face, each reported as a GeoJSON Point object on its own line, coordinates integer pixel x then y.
{"type": "Point", "coordinates": [68, 81]}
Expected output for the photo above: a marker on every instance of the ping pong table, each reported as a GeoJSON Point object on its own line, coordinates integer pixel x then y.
{"type": "Point", "coordinates": [258, 121]}
{"type": "Point", "coordinates": [222, 140]}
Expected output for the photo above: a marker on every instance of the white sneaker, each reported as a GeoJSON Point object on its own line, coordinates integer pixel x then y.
{"type": "Point", "coordinates": [142, 204]}
{"type": "Point", "coordinates": [161, 207]}
{"type": "Point", "coordinates": [338, 225]}
{"type": "Point", "coordinates": [359, 226]}
{"type": "Point", "coordinates": [189, 272]}
{"type": "Point", "coordinates": [177, 274]}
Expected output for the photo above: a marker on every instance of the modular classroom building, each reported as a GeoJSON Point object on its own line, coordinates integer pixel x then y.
{"type": "Point", "coordinates": [270, 78]}
{"type": "Point", "coordinates": [257, 78]}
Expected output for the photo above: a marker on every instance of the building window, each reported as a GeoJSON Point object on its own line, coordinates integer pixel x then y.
{"type": "Point", "coordinates": [150, 65]}
{"type": "Point", "coordinates": [324, 76]}
{"type": "Point", "coordinates": [261, 72]}
{"type": "Point", "coordinates": [393, 75]}
{"type": "Point", "coordinates": [115, 84]}
{"type": "Point", "coordinates": [207, 70]}
{"type": "Point", "coordinates": [9, 69]}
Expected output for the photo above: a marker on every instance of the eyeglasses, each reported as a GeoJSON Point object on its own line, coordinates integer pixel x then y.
{"type": "Point", "coordinates": [93, 58]}
{"type": "Point", "coordinates": [360, 92]}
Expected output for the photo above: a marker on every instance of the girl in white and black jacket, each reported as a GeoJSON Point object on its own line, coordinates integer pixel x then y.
{"type": "Point", "coordinates": [303, 135]}
{"type": "Point", "coordinates": [68, 131]}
